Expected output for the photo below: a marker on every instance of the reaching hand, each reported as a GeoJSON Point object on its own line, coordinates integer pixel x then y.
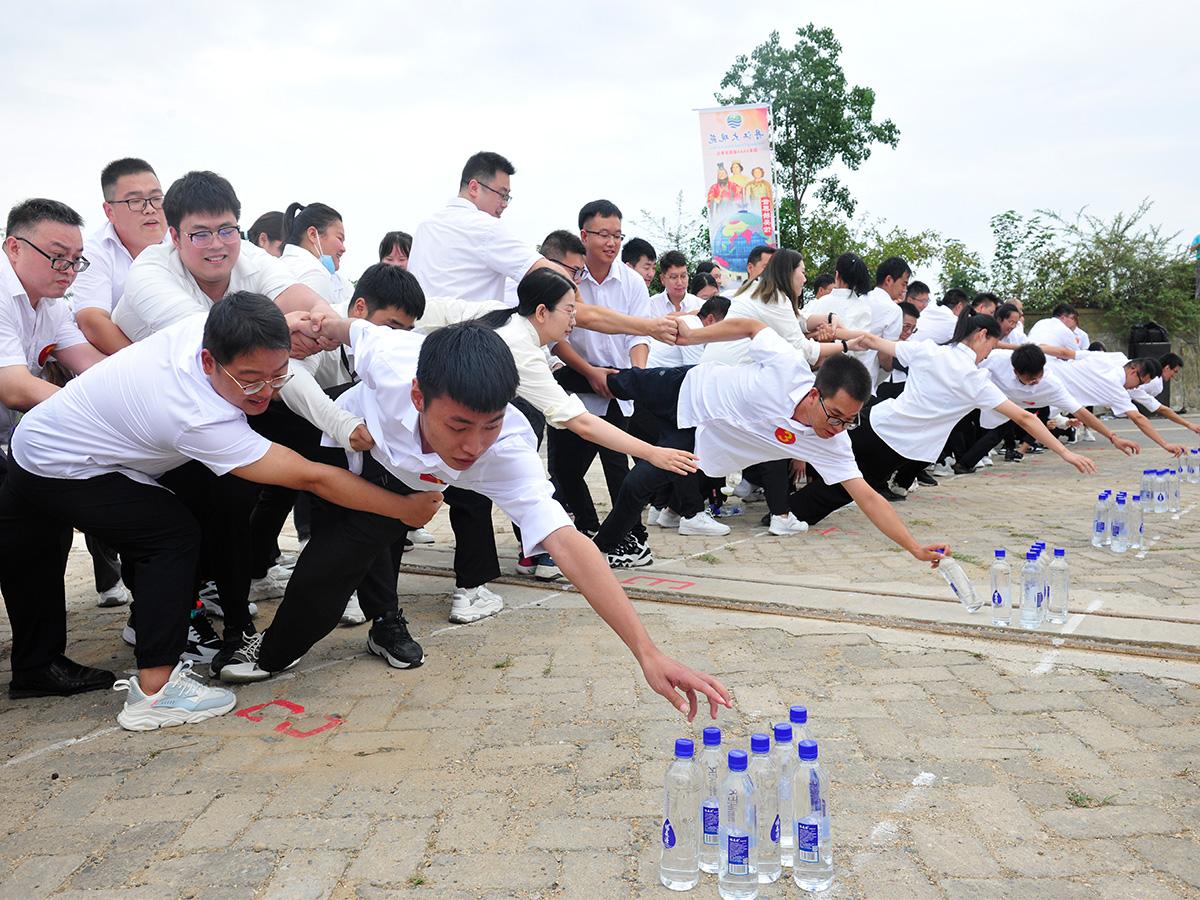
{"type": "Point", "coordinates": [678, 461]}
{"type": "Point", "coordinates": [932, 553]}
{"type": "Point", "coordinates": [674, 681]}
{"type": "Point", "coordinates": [1175, 449]}
{"type": "Point", "coordinates": [1082, 463]}
{"type": "Point", "coordinates": [1128, 447]}
{"type": "Point", "coordinates": [664, 329]}
{"type": "Point", "coordinates": [598, 379]}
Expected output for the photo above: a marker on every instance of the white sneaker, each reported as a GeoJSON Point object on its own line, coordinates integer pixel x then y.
{"type": "Point", "coordinates": [652, 514]}
{"type": "Point", "coordinates": [702, 523]}
{"type": "Point", "coordinates": [785, 525]}
{"type": "Point", "coordinates": [266, 588]}
{"type": "Point", "coordinates": [744, 489]}
{"type": "Point", "coordinates": [280, 573]}
{"type": "Point", "coordinates": [986, 461]}
{"type": "Point", "coordinates": [943, 469]}
{"type": "Point", "coordinates": [474, 604]}
{"type": "Point", "coordinates": [421, 536]}
{"type": "Point", "coordinates": [181, 701]}
{"type": "Point", "coordinates": [1088, 435]}
{"type": "Point", "coordinates": [668, 519]}
{"type": "Point", "coordinates": [114, 596]}
{"type": "Point", "coordinates": [353, 614]}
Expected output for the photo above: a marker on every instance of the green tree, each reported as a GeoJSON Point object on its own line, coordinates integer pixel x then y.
{"type": "Point", "coordinates": [816, 118]}
{"type": "Point", "coordinates": [961, 268]}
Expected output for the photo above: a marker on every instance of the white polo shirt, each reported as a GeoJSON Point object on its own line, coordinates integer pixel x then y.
{"type": "Point", "coordinates": [160, 291]}
{"type": "Point", "coordinates": [308, 271]}
{"type": "Point", "coordinates": [464, 252]}
{"type": "Point", "coordinates": [141, 412]}
{"type": "Point", "coordinates": [509, 473]}
{"type": "Point", "coordinates": [1096, 379]}
{"type": "Point", "coordinates": [668, 356]}
{"type": "Point", "coordinates": [1049, 391]}
{"type": "Point", "coordinates": [852, 309]}
{"type": "Point", "coordinates": [936, 324]}
{"type": "Point", "coordinates": [743, 414]}
{"type": "Point", "coordinates": [887, 321]}
{"type": "Point", "coordinates": [28, 336]}
{"type": "Point", "coordinates": [661, 305]}
{"type": "Point", "coordinates": [943, 385]}
{"type": "Point", "coordinates": [1147, 394]}
{"type": "Point", "coordinates": [778, 314]}
{"type": "Point", "coordinates": [1054, 332]}
{"type": "Point", "coordinates": [625, 291]}
{"type": "Point", "coordinates": [102, 283]}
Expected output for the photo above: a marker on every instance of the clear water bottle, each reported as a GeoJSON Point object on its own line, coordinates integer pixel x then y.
{"type": "Point", "coordinates": [1160, 490]}
{"type": "Point", "coordinates": [1135, 522]}
{"type": "Point", "coordinates": [1147, 488]}
{"type": "Point", "coordinates": [1173, 489]}
{"type": "Point", "coordinates": [1193, 471]}
{"type": "Point", "coordinates": [1109, 504]}
{"type": "Point", "coordinates": [798, 716]}
{"type": "Point", "coordinates": [1099, 522]}
{"type": "Point", "coordinates": [1120, 529]}
{"type": "Point", "coordinates": [813, 866]}
{"type": "Point", "coordinates": [1059, 601]}
{"type": "Point", "coordinates": [1001, 591]}
{"type": "Point", "coordinates": [679, 865]}
{"type": "Point", "coordinates": [737, 877]}
{"type": "Point", "coordinates": [712, 769]}
{"type": "Point", "coordinates": [1032, 588]}
{"type": "Point", "coordinates": [764, 772]}
{"type": "Point", "coordinates": [960, 583]}
{"type": "Point", "coordinates": [784, 754]}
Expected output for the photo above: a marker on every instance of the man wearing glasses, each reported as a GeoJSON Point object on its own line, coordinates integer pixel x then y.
{"type": "Point", "coordinates": [133, 201]}
{"type": "Point", "coordinates": [464, 251]}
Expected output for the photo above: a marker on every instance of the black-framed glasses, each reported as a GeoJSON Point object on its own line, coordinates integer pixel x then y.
{"type": "Point", "coordinates": [255, 386]}
{"type": "Point", "coordinates": [58, 263]}
{"type": "Point", "coordinates": [200, 239]}
{"type": "Point", "coordinates": [505, 196]}
{"type": "Point", "coordinates": [139, 204]}
{"type": "Point", "coordinates": [607, 235]}
{"type": "Point", "coordinates": [836, 422]}
{"type": "Point", "coordinates": [576, 271]}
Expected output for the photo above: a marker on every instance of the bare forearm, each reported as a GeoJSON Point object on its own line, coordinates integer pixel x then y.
{"type": "Point", "coordinates": [1147, 429]}
{"type": "Point", "coordinates": [609, 321]}
{"type": "Point", "coordinates": [23, 391]}
{"type": "Point", "coordinates": [598, 431]}
{"type": "Point", "coordinates": [101, 331]}
{"type": "Point", "coordinates": [569, 355]}
{"type": "Point", "coordinates": [882, 514]}
{"type": "Point", "coordinates": [1037, 428]}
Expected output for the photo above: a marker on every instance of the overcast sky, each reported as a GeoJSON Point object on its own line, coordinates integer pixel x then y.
{"type": "Point", "coordinates": [373, 108]}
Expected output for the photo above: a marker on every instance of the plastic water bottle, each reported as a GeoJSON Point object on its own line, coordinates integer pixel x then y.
{"type": "Point", "coordinates": [679, 865]}
{"type": "Point", "coordinates": [1109, 504]}
{"type": "Point", "coordinates": [1173, 489]}
{"type": "Point", "coordinates": [1147, 488]}
{"type": "Point", "coordinates": [1032, 610]}
{"type": "Point", "coordinates": [813, 867]}
{"type": "Point", "coordinates": [712, 770]}
{"type": "Point", "coordinates": [764, 772]}
{"type": "Point", "coordinates": [1193, 472]}
{"type": "Point", "coordinates": [1099, 523]}
{"type": "Point", "coordinates": [960, 583]}
{"type": "Point", "coordinates": [1135, 523]}
{"type": "Point", "coordinates": [1001, 591]}
{"type": "Point", "coordinates": [1160, 490]}
{"type": "Point", "coordinates": [798, 716]}
{"type": "Point", "coordinates": [737, 878]}
{"type": "Point", "coordinates": [1059, 602]}
{"type": "Point", "coordinates": [1120, 526]}
{"type": "Point", "coordinates": [784, 754]}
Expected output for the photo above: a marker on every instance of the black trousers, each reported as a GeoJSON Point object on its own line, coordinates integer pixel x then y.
{"type": "Point", "coordinates": [158, 539]}
{"type": "Point", "coordinates": [986, 441]}
{"type": "Point", "coordinates": [774, 478]}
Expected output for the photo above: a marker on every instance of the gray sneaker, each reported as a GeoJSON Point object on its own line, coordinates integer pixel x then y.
{"type": "Point", "coordinates": [181, 701]}
{"type": "Point", "coordinates": [243, 667]}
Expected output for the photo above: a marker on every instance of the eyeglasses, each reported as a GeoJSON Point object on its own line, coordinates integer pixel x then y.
{"type": "Point", "coordinates": [576, 271]}
{"type": "Point", "coordinates": [58, 263]}
{"type": "Point", "coordinates": [155, 203]}
{"type": "Point", "coordinates": [848, 424]}
{"type": "Point", "coordinates": [606, 236]}
{"type": "Point", "coordinates": [228, 234]}
{"type": "Point", "coordinates": [505, 196]}
{"type": "Point", "coordinates": [908, 329]}
{"type": "Point", "coordinates": [254, 387]}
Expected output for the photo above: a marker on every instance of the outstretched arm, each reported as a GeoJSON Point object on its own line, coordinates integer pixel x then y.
{"type": "Point", "coordinates": [1128, 447]}
{"type": "Point", "coordinates": [609, 321]}
{"type": "Point", "coordinates": [1035, 427]}
{"type": "Point", "coordinates": [725, 330]}
{"type": "Point", "coordinates": [884, 517]}
{"type": "Point", "coordinates": [1151, 432]}
{"type": "Point", "coordinates": [598, 431]}
{"type": "Point", "coordinates": [1175, 417]}
{"type": "Point", "coordinates": [868, 341]}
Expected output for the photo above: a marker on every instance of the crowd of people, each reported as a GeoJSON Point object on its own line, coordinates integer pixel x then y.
{"type": "Point", "coordinates": [177, 389]}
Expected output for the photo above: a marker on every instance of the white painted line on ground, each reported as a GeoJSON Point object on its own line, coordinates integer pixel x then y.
{"type": "Point", "coordinates": [59, 745]}
{"type": "Point", "coordinates": [1050, 657]}
{"type": "Point", "coordinates": [887, 828]}
{"type": "Point", "coordinates": [724, 544]}
{"type": "Point", "coordinates": [1146, 547]}
{"type": "Point", "coordinates": [455, 627]}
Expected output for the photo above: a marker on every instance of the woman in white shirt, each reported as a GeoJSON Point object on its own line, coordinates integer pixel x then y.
{"type": "Point", "coordinates": [314, 240]}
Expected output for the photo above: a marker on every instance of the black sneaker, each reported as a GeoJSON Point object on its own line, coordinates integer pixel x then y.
{"type": "Point", "coordinates": [203, 643]}
{"type": "Point", "coordinates": [1013, 455]}
{"type": "Point", "coordinates": [963, 470]}
{"type": "Point", "coordinates": [890, 495]}
{"type": "Point", "coordinates": [923, 477]}
{"type": "Point", "coordinates": [390, 639]}
{"type": "Point", "coordinates": [229, 647]}
{"type": "Point", "coordinates": [629, 554]}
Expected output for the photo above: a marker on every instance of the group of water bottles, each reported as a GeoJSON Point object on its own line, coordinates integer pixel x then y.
{"type": "Point", "coordinates": [1118, 521]}
{"type": "Point", "coordinates": [1044, 588]}
{"type": "Point", "coordinates": [746, 817]}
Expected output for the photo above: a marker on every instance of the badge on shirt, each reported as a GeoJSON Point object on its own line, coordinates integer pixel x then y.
{"type": "Point", "coordinates": [45, 354]}
{"type": "Point", "coordinates": [784, 436]}
{"type": "Point", "coordinates": [428, 477]}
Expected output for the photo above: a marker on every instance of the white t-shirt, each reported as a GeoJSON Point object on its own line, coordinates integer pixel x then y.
{"type": "Point", "coordinates": [464, 252]}
{"type": "Point", "coordinates": [1049, 391]}
{"type": "Point", "coordinates": [887, 321]}
{"type": "Point", "coordinates": [935, 324]}
{"type": "Point", "coordinates": [307, 269]}
{"type": "Point", "coordinates": [625, 291]}
{"type": "Point", "coordinates": [1054, 333]}
{"type": "Point", "coordinates": [943, 385]}
{"type": "Point", "coordinates": [141, 412]}
{"type": "Point", "coordinates": [102, 283]}
{"type": "Point", "coordinates": [778, 314]}
{"type": "Point", "coordinates": [509, 473]}
{"type": "Point", "coordinates": [160, 291]}
{"type": "Point", "coordinates": [743, 414]}
{"type": "Point", "coordinates": [1097, 379]}
{"type": "Point", "coordinates": [1147, 393]}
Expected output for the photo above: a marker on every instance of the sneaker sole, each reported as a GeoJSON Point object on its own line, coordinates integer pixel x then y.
{"type": "Point", "coordinates": [200, 654]}
{"type": "Point", "coordinates": [353, 620]}
{"type": "Point", "coordinates": [247, 673]}
{"type": "Point", "coordinates": [154, 718]}
{"type": "Point", "coordinates": [392, 661]}
{"type": "Point", "coordinates": [547, 573]}
{"type": "Point", "coordinates": [712, 532]}
{"type": "Point", "coordinates": [475, 613]}
{"type": "Point", "coordinates": [629, 563]}
{"type": "Point", "coordinates": [110, 602]}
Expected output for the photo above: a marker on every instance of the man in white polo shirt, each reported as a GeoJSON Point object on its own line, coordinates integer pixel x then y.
{"type": "Point", "coordinates": [891, 285]}
{"type": "Point", "coordinates": [1058, 329]}
{"type": "Point", "coordinates": [1147, 394]}
{"type": "Point", "coordinates": [439, 409]}
{"type": "Point", "coordinates": [938, 320]}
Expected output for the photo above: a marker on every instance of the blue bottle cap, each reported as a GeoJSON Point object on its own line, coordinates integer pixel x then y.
{"type": "Point", "coordinates": [1060, 551]}
{"type": "Point", "coordinates": [1102, 495]}
{"type": "Point", "coordinates": [807, 750]}
{"type": "Point", "coordinates": [760, 743]}
{"type": "Point", "coordinates": [798, 715]}
{"type": "Point", "coordinates": [684, 748]}
{"type": "Point", "coordinates": [999, 554]}
{"type": "Point", "coordinates": [712, 736]}
{"type": "Point", "coordinates": [1120, 500]}
{"type": "Point", "coordinates": [783, 733]}
{"type": "Point", "coordinates": [737, 760]}
{"type": "Point", "coordinates": [1032, 554]}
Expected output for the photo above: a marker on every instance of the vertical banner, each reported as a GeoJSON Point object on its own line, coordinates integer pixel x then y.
{"type": "Point", "coordinates": [736, 146]}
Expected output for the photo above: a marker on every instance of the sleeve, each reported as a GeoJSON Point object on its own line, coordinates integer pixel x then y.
{"type": "Point", "coordinates": [907, 351]}
{"type": "Point", "coordinates": [12, 351]}
{"type": "Point", "coordinates": [93, 288]}
{"type": "Point", "coordinates": [515, 481]}
{"type": "Point", "coordinates": [1142, 396]}
{"type": "Point", "coordinates": [303, 396]}
{"type": "Point", "coordinates": [639, 305]}
{"type": "Point", "coordinates": [832, 457]}
{"type": "Point", "coordinates": [66, 332]}
{"type": "Point", "coordinates": [223, 446]}
{"type": "Point", "coordinates": [154, 299]}
{"type": "Point", "coordinates": [987, 395]}
{"type": "Point", "coordinates": [893, 324]}
{"type": "Point", "coordinates": [269, 276]}
{"type": "Point", "coordinates": [779, 317]}
{"type": "Point", "coordinates": [1060, 397]}
{"type": "Point", "coordinates": [505, 253]}
{"type": "Point", "coordinates": [538, 386]}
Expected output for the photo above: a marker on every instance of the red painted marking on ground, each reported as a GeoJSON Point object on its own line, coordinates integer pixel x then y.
{"type": "Point", "coordinates": [654, 582]}
{"type": "Point", "coordinates": [835, 528]}
{"type": "Point", "coordinates": [248, 712]}
{"type": "Point", "coordinates": [285, 727]}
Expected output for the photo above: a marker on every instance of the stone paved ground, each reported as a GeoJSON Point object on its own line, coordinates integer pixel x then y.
{"type": "Point", "coordinates": [525, 758]}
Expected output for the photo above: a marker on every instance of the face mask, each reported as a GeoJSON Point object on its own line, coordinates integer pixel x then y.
{"type": "Point", "coordinates": [326, 259]}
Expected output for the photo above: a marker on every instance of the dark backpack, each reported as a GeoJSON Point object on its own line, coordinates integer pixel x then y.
{"type": "Point", "coordinates": [1147, 333]}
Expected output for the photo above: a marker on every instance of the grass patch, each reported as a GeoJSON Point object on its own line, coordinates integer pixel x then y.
{"type": "Point", "coordinates": [924, 523]}
{"type": "Point", "coordinates": [549, 666]}
{"type": "Point", "coordinates": [1102, 674]}
{"type": "Point", "coordinates": [1022, 534]}
{"type": "Point", "coordinates": [416, 880]}
{"type": "Point", "coordinates": [503, 664]}
{"type": "Point", "coordinates": [1083, 801]}
{"type": "Point", "coordinates": [977, 655]}
{"type": "Point", "coordinates": [731, 548]}
{"type": "Point", "coordinates": [708, 558]}
{"type": "Point", "coordinates": [1186, 772]}
{"type": "Point", "coordinates": [968, 558]}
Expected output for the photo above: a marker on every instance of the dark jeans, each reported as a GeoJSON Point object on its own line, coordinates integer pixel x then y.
{"type": "Point", "coordinates": [158, 539]}
{"type": "Point", "coordinates": [573, 456]}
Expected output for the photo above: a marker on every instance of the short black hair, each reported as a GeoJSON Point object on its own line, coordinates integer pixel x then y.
{"type": "Point", "coordinates": [561, 242]}
{"type": "Point", "coordinates": [384, 286]}
{"type": "Point", "coordinates": [242, 322]}
{"type": "Point", "coordinates": [1063, 309]}
{"type": "Point", "coordinates": [716, 305]}
{"type": "Point", "coordinates": [700, 281]}
{"type": "Point", "coordinates": [118, 169]}
{"type": "Point", "coordinates": [986, 297]}
{"type": "Point", "coordinates": [1004, 310]}
{"type": "Point", "coordinates": [26, 215]}
{"type": "Point", "coordinates": [757, 253]}
{"type": "Point", "coordinates": [854, 272]}
{"type": "Point", "coordinates": [1147, 367]}
{"type": "Point", "coordinates": [672, 259]}
{"type": "Point", "coordinates": [1029, 359]}
{"type": "Point", "coordinates": [635, 249]}
{"type": "Point", "coordinates": [270, 224]}
{"type": "Point", "coordinates": [1173, 360]}
{"type": "Point", "coordinates": [392, 240]}
{"type": "Point", "coordinates": [604, 209]}
{"type": "Point", "coordinates": [893, 267]}
{"type": "Point", "coordinates": [843, 373]}
{"type": "Point", "coordinates": [484, 165]}
{"type": "Point", "coordinates": [822, 281]}
{"type": "Point", "coordinates": [953, 297]}
{"type": "Point", "coordinates": [199, 192]}
{"type": "Point", "coordinates": [469, 363]}
{"type": "Point", "coordinates": [706, 266]}
{"type": "Point", "coordinates": [908, 309]}
{"type": "Point", "coordinates": [916, 289]}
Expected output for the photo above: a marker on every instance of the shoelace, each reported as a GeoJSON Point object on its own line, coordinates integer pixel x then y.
{"type": "Point", "coordinates": [251, 647]}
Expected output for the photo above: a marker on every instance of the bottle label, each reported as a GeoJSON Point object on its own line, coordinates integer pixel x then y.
{"type": "Point", "coordinates": [739, 854]}
{"type": "Point", "coordinates": [1039, 599]}
{"type": "Point", "coordinates": [808, 842]}
{"type": "Point", "coordinates": [1116, 529]}
{"type": "Point", "coordinates": [668, 834]}
{"type": "Point", "coordinates": [997, 599]}
{"type": "Point", "coordinates": [1099, 526]}
{"type": "Point", "coordinates": [775, 831]}
{"type": "Point", "coordinates": [712, 824]}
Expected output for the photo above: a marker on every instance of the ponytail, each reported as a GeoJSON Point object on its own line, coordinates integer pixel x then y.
{"type": "Point", "coordinates": [298, 218]}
